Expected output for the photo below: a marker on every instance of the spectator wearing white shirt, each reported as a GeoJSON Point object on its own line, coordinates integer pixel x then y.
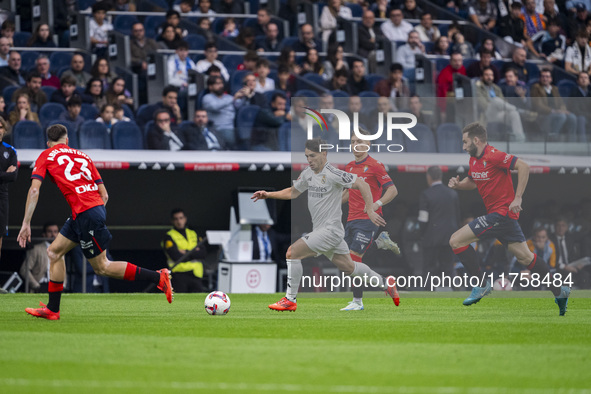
{"type": "Point", "coordinates": [264, 83]}
{"type": "Point", "coordinates": [178, 66]}
{"type": "Point", "coordinates": [405, 55]}
{"type": "Point", "coordinates": [99, 29]}
{"type": "Point", "coordinates": [427, 32]}
{"type": "Point", "coordinates": [211, 55]}
{"type": "Point", "coordinates": [328, 18]}
{"type": "Point", "coordinates": [396, 29]}
{"type": "Point", "coordinates": [578, 55]}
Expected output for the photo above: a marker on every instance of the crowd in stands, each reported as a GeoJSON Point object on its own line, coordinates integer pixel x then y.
{"type": "Point", "coordinates": [309, 62]}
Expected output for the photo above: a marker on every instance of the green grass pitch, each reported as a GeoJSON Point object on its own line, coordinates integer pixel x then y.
{"type": "Point", "coordinates": [138, 343]}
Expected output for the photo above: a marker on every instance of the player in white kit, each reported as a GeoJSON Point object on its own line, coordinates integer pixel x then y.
{"type": "Point", "coordinates": [325, 185]}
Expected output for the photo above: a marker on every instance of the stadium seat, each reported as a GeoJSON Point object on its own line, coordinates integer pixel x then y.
{"type": "Point", "coordinates": [369, 99]}
{"type": "Point", "coordinates": [128, 112]}
{"type": "Point", "coordinates": [21, 38]}
{"type": "Point", "coordinates": [123, 23]}
{"type": "Point", "coordinates": [89, 111]}
{"type": "Point", "coordinates": [94, 135]}
{"type": "Point", "coordinates": [232, 62]}
{"type": "Point", "coordinates": [84, 4]}
{"type": "Point", "coordinates": [288, 42]}
{"type": "Point", "coordinates": [498, 64]}
{"type": "Point", "coordinates": [28, 59]}
{"type": "Point", "coordinates": [449, 138]}
{"type": "Point", "coordinates": [195, 41]}
{"type": "Point", "coordinates": [48, 91]}
{"type": "Point", "coordinates": [62, 70]}
{"type": "Point", "coordinates": [532, 81]}
{"type": "Point", "coordinates": [64, 39]}
{"type": "Point", "coordinates": [565, 86]}
{"type": "Point", "coordinates": [532, 70]}
{"type": "Point", "coordinates": [49, 112]}
{"type": "Point", "coordinates": [236, 78]}
{"type": "Point", "coordinates": [372, 79]}
{"type": "Point", "coordinates": [144, 114]}
{"type": "Point", "coordinates": [368, 93]}
{"type": "Point", "coordinates": [27, 134]}
{"type": "Point", "coordinates": [497, 131]}
{"type": "Point", "coordinates": [152, 23]}
{"type": "Point", "coordinates": [199, 98]}
{"type": "Point", "coordinates": [127, 135]}
{"type": "Point", "coordinates": [429, 46]}
{"type": "Point", "coordinates": [425, 141]}
{"type": "Point", "coordinates": [356, 10]}
{"type": "Point", "coordinates": [270, 93]}
{"type": "Point", "coordinates": [8, 92]}
{"type": "Point", "coordinates": [59, 60]}
{"type": "Point", "coordinates": [218, 25]}
{"type": "Point", "coordinates": [284, 137]}
{"type": "Point", "coordinates": [245, 118]}
{"type": "Point", "coordinates": [339, 93]}
{"type": "Point", "coordinates": [305, 93]}
{"type": "Point", "coordinates": [441, 63]}
{"type": "Point", "coordinates": [313, 78]}
{"type": "Point", "coordinates": [145, 130]}
{"type": "Point", "coordinates": [72, 132]}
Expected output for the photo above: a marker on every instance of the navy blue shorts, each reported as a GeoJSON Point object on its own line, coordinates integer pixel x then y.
{"type": "Point", "coordinates": [89, 230]}
{"type": "Point", "coordinates": [495, 225]}
{"type": "Point", "coordinates": [359, 235]}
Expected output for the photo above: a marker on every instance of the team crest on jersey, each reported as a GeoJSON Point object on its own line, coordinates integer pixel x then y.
{"type": "Point", "coordinates": [6, 155]}
{"type": "Point", "coordinates": [323, 180]}
{"type": "Point", "coordinates": [484, 163]}
{"type": "Point", "coordinates": [365, 168]}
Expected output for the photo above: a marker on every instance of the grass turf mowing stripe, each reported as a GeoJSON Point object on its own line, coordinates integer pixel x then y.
{"type": "Point", "coordinates": [276, 388]}
{"type": "Point", "coordinates": [426, 345]}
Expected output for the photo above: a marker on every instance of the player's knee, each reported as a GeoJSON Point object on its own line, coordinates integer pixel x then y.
{"type": "Point", "coordinates": [288, 253]}
{"type": "Point", "coordinates": [101, 267]}
{"type": "Point", "coordinates": [52, 254]}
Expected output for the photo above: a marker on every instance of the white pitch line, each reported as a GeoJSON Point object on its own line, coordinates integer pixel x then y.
{"type": "Point", "coordinates": [257, 387]}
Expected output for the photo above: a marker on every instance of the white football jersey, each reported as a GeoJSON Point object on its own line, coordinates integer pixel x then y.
{"type": "Point", "coordinates": [325, 191]}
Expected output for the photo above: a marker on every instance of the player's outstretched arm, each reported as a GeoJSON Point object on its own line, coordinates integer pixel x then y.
{"type": "Point", "coordinates": [522, 178]}
{"type": "Point", "coordinates": [365, 190]}
{"type": "Point", "coordinates": [464, 184]}
{"type": "Point", "coordinates": [387, 197]}
{"type": "Point", "coordinates": [286, 194]}
{"type": "Point", "coordinates": [24, 235]}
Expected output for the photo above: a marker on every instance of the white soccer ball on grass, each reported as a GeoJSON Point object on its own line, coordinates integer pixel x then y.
{"type": "Point", "coordinates": [217, 303]}
{"type": "Point", "coordinates": [502, 284]}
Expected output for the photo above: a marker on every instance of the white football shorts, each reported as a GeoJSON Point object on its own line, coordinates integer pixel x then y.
{"type": "Point", "coordinates": [327, 241]}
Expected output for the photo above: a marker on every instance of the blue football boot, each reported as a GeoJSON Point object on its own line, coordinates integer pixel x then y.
{"type": "Point", "coordinates": [478, 293]}
{"type": "Point", "coordinates": [562, 299]}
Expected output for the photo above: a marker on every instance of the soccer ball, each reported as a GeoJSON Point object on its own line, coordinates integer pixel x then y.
{"type": "Point", "coordinates": [217, 303]}
{"type": "Point", "coordinates": [502, 284]}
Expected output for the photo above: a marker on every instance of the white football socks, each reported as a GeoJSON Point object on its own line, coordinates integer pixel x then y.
{"type": "Point", "coordinates": [362, 270]}
{"type": "Point", "coordinates": [295, 270]}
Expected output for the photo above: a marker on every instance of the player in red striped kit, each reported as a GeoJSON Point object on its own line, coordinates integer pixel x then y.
{"type": "Point", "coordinates": [360, 232]}
{"type": "Point", "coordinates": [490, 172]}
{"type": "Point", "coordinates": [81, 184]}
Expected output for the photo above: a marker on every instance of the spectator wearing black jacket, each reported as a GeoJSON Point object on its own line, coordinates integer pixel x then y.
{"type": "Point", "coordinates": [200, 135]}
{"type": "Point", "coordinates": [162, 135]}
